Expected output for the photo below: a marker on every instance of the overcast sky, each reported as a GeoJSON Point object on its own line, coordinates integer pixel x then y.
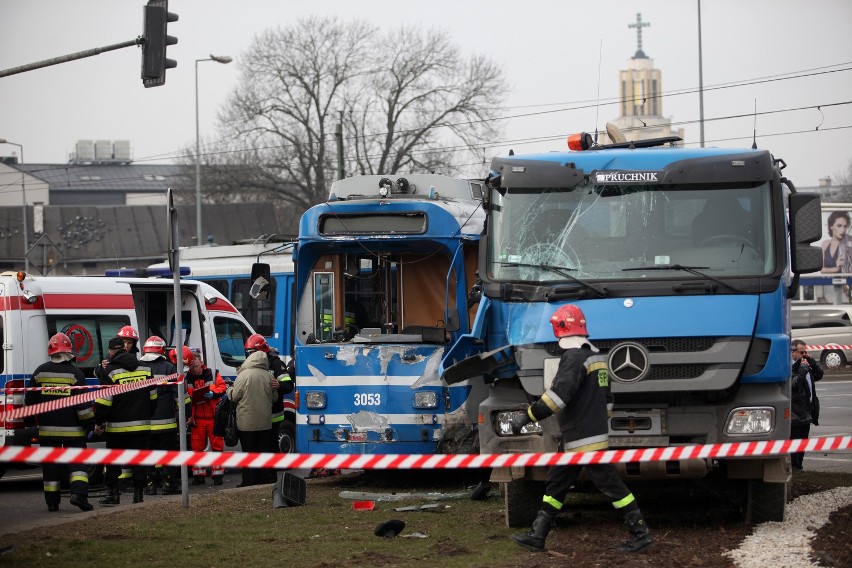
{"type": "Point", "coordinates": [549, 51]}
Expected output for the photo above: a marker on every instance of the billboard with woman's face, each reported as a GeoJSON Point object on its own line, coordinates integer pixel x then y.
{"type": "Point", "coordinates": [837, 244]}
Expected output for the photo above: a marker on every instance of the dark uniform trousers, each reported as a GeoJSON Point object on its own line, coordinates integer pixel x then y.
{"type": "Point", "coordinates": [134, 440]}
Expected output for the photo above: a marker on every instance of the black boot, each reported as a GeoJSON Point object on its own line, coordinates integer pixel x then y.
{"type": "Point", "coordinates": [113, 497]}
{"type": "Point", "coordinates": [151, 488]}
{"type": "Point", "coordinates": [138, 494]}
{"type": "Point", "coordinates": [639, 531]}
{"type": "Point", "coordinates": [171, 486]}
{"type": "Point", "coordinates": [534, 539]}
{"type": "Point", "coordinates": [81, 501]}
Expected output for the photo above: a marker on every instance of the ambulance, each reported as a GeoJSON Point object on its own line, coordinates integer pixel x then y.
{"type": "Point", "coordinates": [91, 310]}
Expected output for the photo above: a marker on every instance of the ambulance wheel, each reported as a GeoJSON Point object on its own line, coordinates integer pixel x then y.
{"type": "Point", "coordinates": [287, 438]}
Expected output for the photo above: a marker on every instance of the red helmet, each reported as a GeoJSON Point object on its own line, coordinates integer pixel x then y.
{"type": "Point", "coordinates": [187, 355]}
{"type": "Point", "coordinates": [127, 332]}
{"type": "Point", "coordinates": [569, 320]}
{"type": "Point", "coordinates": [59, 343]}
{"type": "Point", "coordinates": [257, 341]}
{"type": "Point", "coordinates": [154, 344]}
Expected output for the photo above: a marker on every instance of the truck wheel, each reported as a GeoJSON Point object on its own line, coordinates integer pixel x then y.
{"type": "Point", "coordinates": [287, 438]}
{"type": "Point", "coordinates": [765, 502]}
{"type": "Point", "coordinates": [833, 359]}
{"type": "Point", "coordinates": [522, 502]}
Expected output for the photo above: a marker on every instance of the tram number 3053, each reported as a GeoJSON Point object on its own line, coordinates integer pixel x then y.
{"type": "Point", "coordinates": [368, 399]}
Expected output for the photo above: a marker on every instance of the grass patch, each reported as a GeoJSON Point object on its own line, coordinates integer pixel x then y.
{"type": "Point", "coordinates": [243, 527]}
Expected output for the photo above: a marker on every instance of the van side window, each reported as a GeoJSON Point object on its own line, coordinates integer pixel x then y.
{"type": "Point", "coordinates": [231, 336]}
{"type": "Point", "coordinates": [89, 337]}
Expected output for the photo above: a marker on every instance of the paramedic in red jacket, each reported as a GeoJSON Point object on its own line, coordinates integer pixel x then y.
{"type": "Point", "coordinates": [205, 387]}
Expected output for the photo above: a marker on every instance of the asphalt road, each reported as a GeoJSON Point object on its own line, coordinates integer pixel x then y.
{"type": "Point", "coordinates": [22, 504]}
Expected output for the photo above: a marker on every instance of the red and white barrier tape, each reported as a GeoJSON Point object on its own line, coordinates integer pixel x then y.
{"type": "Point", "coordinates": [415, 461]}
{"type": "Point", "coordinates": [49, 406]}
{"type": "Point", "coordinates": [163, 378]}
{"type": "Point", "coordinates": [827, 347]}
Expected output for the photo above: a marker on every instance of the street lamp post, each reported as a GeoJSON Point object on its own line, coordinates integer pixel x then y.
{"type": "Point", "coordinates": [217, 59]}
{"type": "Point", "coordinates": [24, 209]}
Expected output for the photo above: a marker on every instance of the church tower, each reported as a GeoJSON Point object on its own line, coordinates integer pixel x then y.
{"type": "Point", "coordinates": [640, 101]}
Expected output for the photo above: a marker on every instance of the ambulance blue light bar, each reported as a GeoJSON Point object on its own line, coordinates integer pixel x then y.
{"type": "Point", "coordinates": [145, 272]}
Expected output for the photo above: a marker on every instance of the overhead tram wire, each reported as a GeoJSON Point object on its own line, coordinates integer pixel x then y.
{"type": "Point", "coordinates": [818, 71]}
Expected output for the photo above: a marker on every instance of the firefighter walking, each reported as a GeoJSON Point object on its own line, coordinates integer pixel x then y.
{"type": "Point", "coordinates": [125, 418]}
{"type": "Point", "coordinates": [63, 428]}
{"type": "Point", "coordinates": [579, 396]}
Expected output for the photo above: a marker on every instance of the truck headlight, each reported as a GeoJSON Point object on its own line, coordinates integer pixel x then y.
{"type": "Point", "coordinates": [315, 399]}
{"type": "Point", "coordinates": [426, 399]}
{"type": "Point", "coordinates": [749, 421]}
{"type": "Point", "coordinates": [503, 424]}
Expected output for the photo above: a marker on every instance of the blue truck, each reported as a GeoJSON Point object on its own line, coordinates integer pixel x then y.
{"type": "Point", "coordinates": [684, 262]}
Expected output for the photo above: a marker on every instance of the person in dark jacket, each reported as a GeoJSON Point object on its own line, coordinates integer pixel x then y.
{"type": "Point", "coordinates": [804, 401]}
{"type": "Point", "coordinates": [579, 395]}
{"type": "Point", "coordinates": [164, 425]}
{"type": "Point", "coordinates": [63, 428]}
{"type": "Point", "coordinates": [125, 418]}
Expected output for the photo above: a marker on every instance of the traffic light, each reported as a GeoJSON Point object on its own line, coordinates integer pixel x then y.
{"type": "Point", "coordinates": [154, 42]}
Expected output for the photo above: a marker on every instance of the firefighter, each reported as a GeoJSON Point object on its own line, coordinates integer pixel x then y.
{"type": "Point", "coordinates": [164, 426]}
{"type": "Point", "coordinates": [126, 417]}
{"type": "Point", "coordinates": [63, 428]}
{"type": "Point", "coordinates": [130, 338]}
{"type": "Point", "coordinates": [205, 387]}
{"type": "Point", "coordinates": [579, 395]}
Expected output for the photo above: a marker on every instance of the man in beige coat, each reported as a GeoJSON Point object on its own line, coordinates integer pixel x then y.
{"type": "Point", "coordinates": [254, 391]}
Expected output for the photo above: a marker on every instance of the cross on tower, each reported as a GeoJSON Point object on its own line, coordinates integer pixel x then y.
{"type": "Point", "coordinates": [639, 25]}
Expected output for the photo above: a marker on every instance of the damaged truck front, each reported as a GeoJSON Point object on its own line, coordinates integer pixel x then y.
{"type": "Point", "coordinates": [383, 270]}
{"type": "Point", "coordinates": [683, 261]}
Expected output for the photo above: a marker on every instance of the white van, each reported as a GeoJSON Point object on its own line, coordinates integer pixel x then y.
{"type": "Point", "coordinates": [91, 310]}
{"type": "Point", "coordinates": [827, 330]}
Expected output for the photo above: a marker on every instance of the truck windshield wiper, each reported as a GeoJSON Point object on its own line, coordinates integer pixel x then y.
{"type": "Point", "coordinates": [560, 270]}
{"type": "Point", "coordinates": [691, 269]}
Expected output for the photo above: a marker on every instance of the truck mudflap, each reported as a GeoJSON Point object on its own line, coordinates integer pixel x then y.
{"type": "Point", "coordinates": [770, 469]}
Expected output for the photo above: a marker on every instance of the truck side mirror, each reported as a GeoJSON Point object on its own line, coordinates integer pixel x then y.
{"type": "Point", "coordinates": [260, 279]}
{"type": "Point", "coordinates": [805, 228]}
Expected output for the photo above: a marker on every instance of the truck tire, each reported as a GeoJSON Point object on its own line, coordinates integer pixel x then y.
{"type": "Point", "coordinates": [287, 438]}
{"type": "Point", "coordinates": [765, 502]}
{"type": "Point", "coordinates": [522, 502]}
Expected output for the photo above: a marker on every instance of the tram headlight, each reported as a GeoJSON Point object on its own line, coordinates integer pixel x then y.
{"type": "Point", "coordinates": [425, 399]}
{"type": "Point", "coordinates": [315, 400]}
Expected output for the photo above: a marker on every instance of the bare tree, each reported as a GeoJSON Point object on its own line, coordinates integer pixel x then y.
{"type": "Point", "coordinates": [408, 100]}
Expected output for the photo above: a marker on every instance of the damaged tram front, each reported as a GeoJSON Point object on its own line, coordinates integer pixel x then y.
{"type": "Point", "coordinates": [383, 270]}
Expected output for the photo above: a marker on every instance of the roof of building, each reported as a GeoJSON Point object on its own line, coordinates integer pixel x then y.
{"type": "Point", "coordinates": [127, 177]}
{"type": "Point", "coordinates": [130, 236]}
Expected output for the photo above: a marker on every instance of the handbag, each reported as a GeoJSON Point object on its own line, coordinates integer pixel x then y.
{"type": "Point", "coordinates": [231, 436]}
{"type": "Point", "coordinates": [224, 410]}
